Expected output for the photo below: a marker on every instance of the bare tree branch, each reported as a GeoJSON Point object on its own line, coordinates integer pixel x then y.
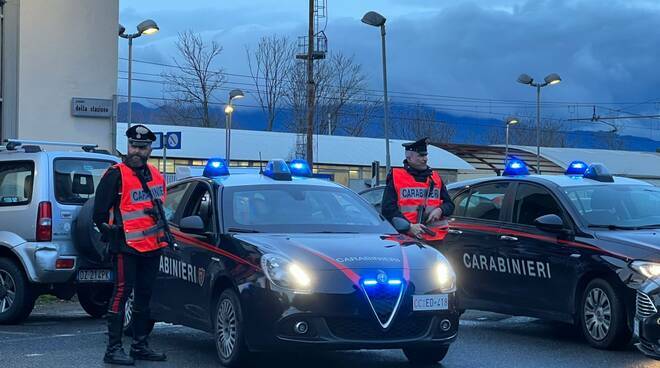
{"type": "Point", "coordinates": [194, 84]}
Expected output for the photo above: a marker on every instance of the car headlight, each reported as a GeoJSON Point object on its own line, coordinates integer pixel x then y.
{"type": "Point", "coordinates": [445, 276]}
{"type": "Point", "coordinates": [285, 273]}
{"type": "Point", "coordinates": [648, 269]}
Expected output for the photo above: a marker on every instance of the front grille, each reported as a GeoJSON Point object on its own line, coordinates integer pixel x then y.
{"type": "Point", "coordinates": [645, 306]}
{"type": "Point", "coordinates": [367, 329]}
{"type": "Point", "coordinates": [383, 298]}
{"type": "Point", "coordinates": [646, 345]}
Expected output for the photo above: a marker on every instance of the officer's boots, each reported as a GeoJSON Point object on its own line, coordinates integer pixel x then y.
{"type": "Point", "coordinates": [140, 348]}
{"type": "Point", "coordinates": [115, 354]}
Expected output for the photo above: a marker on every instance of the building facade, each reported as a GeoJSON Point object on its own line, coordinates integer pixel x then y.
{"type": "Point", "coordinates": [52, 52]}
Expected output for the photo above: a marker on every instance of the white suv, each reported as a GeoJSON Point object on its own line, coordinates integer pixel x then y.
{"type": "Point", "coordinates": [47, 242]}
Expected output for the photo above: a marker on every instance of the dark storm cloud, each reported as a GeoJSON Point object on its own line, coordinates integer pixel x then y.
{"type": "Point", "coordinates": [606, 52]}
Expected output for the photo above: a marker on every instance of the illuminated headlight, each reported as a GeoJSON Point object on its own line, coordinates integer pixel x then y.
{"type": "Point", "coordinates": [285, 273]}
{"type": "Point", "coordinates": [445, 276]}
{"type": "Point", "coordinates": [648, 269]}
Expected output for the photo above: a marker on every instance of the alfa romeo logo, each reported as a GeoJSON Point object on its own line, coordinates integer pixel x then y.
{"type": "Point", "coordinates": [381, 277]}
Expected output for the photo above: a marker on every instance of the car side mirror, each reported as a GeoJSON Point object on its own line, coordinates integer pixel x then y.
{"type": "Point", "coordinates": [400, 224]}
{"type": "Point", "coordinates": [192, 225]}
{"type": "Point", "coordinates": [550, 223]}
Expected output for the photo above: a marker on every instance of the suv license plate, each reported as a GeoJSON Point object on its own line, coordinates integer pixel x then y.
{"type": "Point", "coordinates": [94, 275]}
{"type": "Point", "coordinates": [430, 302]}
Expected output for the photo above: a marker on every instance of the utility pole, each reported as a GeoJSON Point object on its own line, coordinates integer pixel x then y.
{"type": "Point", "coordinates": [311, 87]}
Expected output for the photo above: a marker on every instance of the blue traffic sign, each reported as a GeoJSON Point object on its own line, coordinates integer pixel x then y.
{"type": "Point", "coordinates": [173, 140]}
{"type": "Point", "coordinates": [158, 143]}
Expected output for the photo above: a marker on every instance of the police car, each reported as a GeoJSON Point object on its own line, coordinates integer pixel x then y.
{"type": "Point", "coordinates": [573, 248]}
{"type": "Point", "coordinates": [278, 260]}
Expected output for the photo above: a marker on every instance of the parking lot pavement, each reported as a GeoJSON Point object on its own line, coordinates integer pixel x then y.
{"type": "Point", "coordinates": [61, 335]}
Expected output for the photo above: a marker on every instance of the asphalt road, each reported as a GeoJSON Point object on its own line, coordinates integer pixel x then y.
{"type": "Point", "coordinates": [62, 335]}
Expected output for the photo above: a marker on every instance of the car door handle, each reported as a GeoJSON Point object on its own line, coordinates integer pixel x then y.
{"type": "Point", "coordinates": [176, 246]}
{"type": "Point", "coordinates": [455, 232]}
{"type": "Point", "coordinates": [215, 259]}
{"type": "Point", "coordinates": [508, 238]}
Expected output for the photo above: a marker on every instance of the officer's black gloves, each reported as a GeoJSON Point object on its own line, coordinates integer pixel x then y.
{"type": "Point", "coordinates": [109, 232]}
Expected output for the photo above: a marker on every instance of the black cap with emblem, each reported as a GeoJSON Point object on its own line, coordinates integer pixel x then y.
{"type": "Point", "coordinates": [140, 136]}
{"type": "Point", "coordinates": [418, 146]}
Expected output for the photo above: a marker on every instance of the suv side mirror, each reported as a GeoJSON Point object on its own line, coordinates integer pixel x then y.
{"type": "Point", "coordinates": [192, 225]}
{"type": "Point", "coordinates": [400, 224]}
{"type": "Point", "coordinates": [550, 223]}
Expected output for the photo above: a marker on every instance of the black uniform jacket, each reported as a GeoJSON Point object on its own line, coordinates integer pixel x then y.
{"type": "Point", "coordinates": [390, 206]}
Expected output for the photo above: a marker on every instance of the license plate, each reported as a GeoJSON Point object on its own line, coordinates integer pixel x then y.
{"type": "Point", "coordinates": [636, 324]}
{"type": "Point", "coordinates": [430, 302]}
{"type": "Point", "coordinates": [94, 275]}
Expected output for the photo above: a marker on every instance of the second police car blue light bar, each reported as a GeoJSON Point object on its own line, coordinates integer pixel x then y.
{"type": "Point", "coordinates": [576, 168]}
{"type": "Point", "coordinates": [215, 167]}
{"type": "Point", "coordinates": [278, 170]}
{"type": "Point", "coordinates": [300, 167]}
{"type": "Point", "coordinates": [515, 167]}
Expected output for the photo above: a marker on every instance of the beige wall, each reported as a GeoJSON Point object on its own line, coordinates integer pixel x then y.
{"type": "Point", "coordinates": [67, 48]}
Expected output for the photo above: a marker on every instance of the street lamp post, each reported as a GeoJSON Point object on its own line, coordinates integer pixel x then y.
{"type": "Point", "coordinates": [147, 27]}
{"type": "Point", "coordinates": [550, 79]}
{"type": "Point", "coordinates": [374, 19]}
{"type": "Point", "coordinates": [509, 121]}
{"type": "Point", "coordinates": [229, 110]}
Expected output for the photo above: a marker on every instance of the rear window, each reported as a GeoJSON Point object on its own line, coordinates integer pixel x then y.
{"type": "Point", "coordinates": [16, 179]}
{"type": "Point", "coordinates": [76, 180]}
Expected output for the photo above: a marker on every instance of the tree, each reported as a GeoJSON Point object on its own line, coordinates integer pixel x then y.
{"type": "Point", "coordinates": [270, 66]}
{"type": "Point", "coordinates": [419, 121]}
{"type": "Point", "coordinates": [552, 134]}
{"type": "Point", "coordinates": [195, 83]}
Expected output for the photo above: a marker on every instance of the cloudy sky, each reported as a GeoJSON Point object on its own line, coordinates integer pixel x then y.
{"type": "Point", "coordinates": [457, 55]}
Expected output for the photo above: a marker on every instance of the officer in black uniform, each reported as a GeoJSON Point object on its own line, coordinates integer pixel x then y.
{"type": "Point", "coordinates": [416, 165]}
{"type": "Point", "coordinates": [133, 271]}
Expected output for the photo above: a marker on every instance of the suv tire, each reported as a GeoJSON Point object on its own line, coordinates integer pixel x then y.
{"type": "Point", "coordinates": [86, 236]}
{"type": "Point", "coordinates": [16, 294]}
{"type": "Point", "coordinates": [94, 299]}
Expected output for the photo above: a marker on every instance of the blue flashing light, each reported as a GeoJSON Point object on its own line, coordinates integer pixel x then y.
{"type": "Point", "coordinates": [394, 282]}
{"type": "Point", "coordinates": [278, 170]}
{"type": "Point", "coordinates": [216, 167]}
{"type": "Point", "coordinates": [370, 282]}
{"type": "Point", "coordinates": [515, 167]}
{"type": "Point", "coordinates": [576, 168]}
{"type": "Point", "coordinates": [300, 167]}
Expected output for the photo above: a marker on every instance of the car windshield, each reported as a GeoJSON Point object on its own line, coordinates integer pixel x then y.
{"type": "Point", "coordinates": [615, 206]}
{"type": "Point", "coordinates": [300, 209]}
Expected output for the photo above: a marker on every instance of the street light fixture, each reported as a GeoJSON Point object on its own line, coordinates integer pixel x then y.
{"type": "Point", "coordinates": [229, 110]}
{"type": "Point", "coordinates": [147, 27]}
{"type": "Point", "coordinates": [550, 79]}
{"type": "Point", "coordinates": [374, 19]}
{"type": "Point", "coordinates": [509, 121]}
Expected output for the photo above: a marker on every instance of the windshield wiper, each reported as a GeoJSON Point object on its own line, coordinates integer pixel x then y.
{"type": "Point", "coordinates": [654, 226]}
{"type": "Point", "coordinates": [239, 230]}
{"type": "Point", "coordinates": [615, 227]}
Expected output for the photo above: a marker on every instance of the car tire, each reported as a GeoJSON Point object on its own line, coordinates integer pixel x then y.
{"type": "Point", "coordinates": [94, 299]}
{"type": "Point", "coordinates": [128, 317]}
{"type": "Point", "coordinates": [86, 236]}
{"type": "Point", "coordinates": [603, 316]}
{"type": "Point", "coordinates": [228, 330]}
{"type": "Point", "coordinates": [16, 294]}
{"type": "Point", "coordinates": [426, 356]}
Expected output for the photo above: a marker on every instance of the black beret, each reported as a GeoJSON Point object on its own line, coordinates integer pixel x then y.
{"type": "Point", "coordinates": [140, 136]}
{"type": "Point", "coordinates": [418, 146]}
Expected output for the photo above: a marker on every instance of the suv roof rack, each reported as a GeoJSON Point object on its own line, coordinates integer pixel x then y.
{"type": "Point", "coordinates": [34, 146]}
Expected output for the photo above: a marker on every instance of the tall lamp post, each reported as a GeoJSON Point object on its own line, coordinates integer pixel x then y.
{"type": "Point", "coordinates": [509, 121]}
{"type": "Point", "coordinates": [551, 79]}
{"type": "Point", "coordinates": [374, 19]}
{"type": "Point", "coordinates": [229, 110]}
{"type": "Point", "coordinates": [147, 27]}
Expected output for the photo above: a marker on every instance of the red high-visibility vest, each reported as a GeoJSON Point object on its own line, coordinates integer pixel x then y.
{"type": "Point", "coordinates": [134, 201]}
{"type": "Point", "coordinates": [410, 195]}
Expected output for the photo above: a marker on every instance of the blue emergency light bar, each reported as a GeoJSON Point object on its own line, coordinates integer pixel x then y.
{"type": "Point", "coordinates": [576, 168]}
{"type": "Point", "coordinates": [215, 167]}
{"type": "Point", "coordinates": [515, 167]}
{"type": "Point", "coordinates": [372, 282]}
{"type": "Point", "coordinates": [278, 170]}
{"type": "Point", "coordinates": [300, 167]}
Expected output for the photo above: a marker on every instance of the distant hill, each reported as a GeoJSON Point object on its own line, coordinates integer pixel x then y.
{"type": "Point", "coordinates": [467, 129]}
